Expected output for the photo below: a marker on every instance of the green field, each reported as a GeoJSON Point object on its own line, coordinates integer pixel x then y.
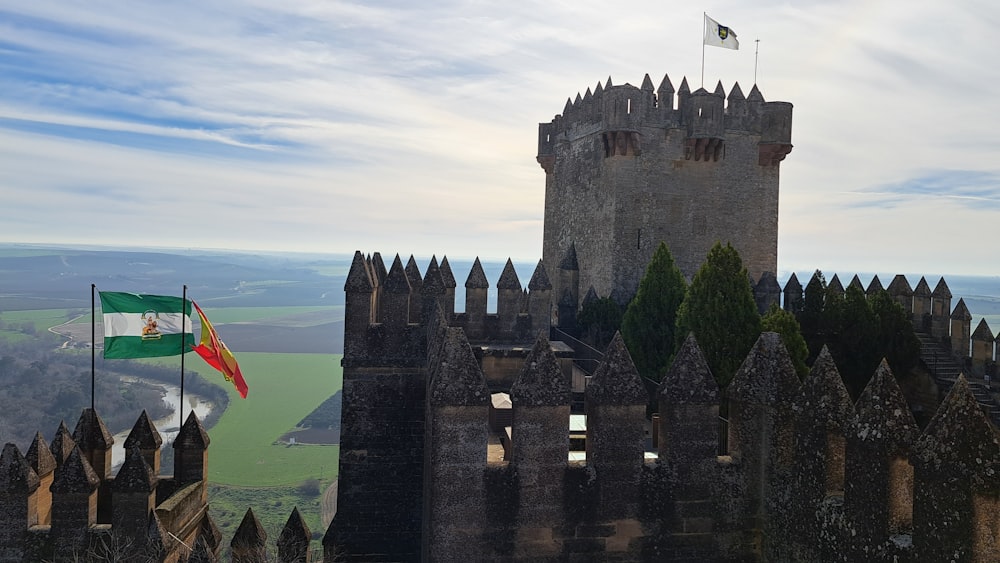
{"type": "Point", "coordinates": [284, 388]}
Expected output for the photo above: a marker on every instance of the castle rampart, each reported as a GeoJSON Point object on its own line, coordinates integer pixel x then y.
{"type": "Point", "coordinates": [804, 475]}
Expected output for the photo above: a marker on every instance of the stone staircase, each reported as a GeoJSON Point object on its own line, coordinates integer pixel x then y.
{"type": "Point", "coordinates": [945, 369]}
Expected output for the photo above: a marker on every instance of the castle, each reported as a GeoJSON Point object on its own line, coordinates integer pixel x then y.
{"type": "Point", "coordinates": [799, 473]}
{"type": "Point", "coordinates": [625, 169]}
{"type": "Point", "coordinates": [436, 465]}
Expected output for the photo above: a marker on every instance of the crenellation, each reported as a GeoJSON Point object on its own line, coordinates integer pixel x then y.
{"type": "Point", "coordinates": [956, 462]}
{"type": "Point", "coordinates": [249, 543]}
{"type": "Point", "coordinates": [878, 477]}
{"type": "Point", "coordinates": [416, 284]}
{"type": "Point", "coordinates": [508, 299]}
{"type": "Point", "coordinates": [62, 444]}
{"type": "Point", "coordinates": [293, 542]}
{"type": "Point", "coordinates": [961, 330]}
{"type": "Point", "coordinates": [147, 439]}
{"type": "Point", "coordinates": [449, 287]}
{"type": "Point", "coordinates": [394, 302]}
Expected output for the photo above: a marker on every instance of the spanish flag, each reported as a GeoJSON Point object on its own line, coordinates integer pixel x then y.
{"type": "Point", "coordinates": [213, 351]}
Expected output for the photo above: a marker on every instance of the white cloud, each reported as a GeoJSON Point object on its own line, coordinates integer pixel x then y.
{"type": "Point", "coordinates": [406, 127]}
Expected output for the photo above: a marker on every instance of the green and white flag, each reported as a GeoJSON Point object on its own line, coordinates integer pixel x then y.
{"type": "Point", "coordinates": [145, 326]}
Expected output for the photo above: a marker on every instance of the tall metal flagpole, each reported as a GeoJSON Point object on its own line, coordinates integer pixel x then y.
{"type": "Point", "coordinates": [704, 19]}
{"type": "Point", "coordinates": [756, 50]}
{"type": "Point", "coordinates": [180, 408]}
{"type": "Point", "coordinates": [93, 341]}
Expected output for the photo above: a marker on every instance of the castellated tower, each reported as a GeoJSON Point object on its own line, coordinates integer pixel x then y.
{"type": "Point", "coordinates": [626, 168]}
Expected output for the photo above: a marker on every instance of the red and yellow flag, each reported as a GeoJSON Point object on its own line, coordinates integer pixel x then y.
{"type": "Point", "coordinates": [213, 351]}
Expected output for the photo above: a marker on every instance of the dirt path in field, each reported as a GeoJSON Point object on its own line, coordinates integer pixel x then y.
{"type": "Point", "coordinates": [329, 504]}
{"type": "Point", "coordinates": [67, 332]}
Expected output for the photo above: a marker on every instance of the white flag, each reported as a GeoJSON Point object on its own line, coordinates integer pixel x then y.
{"type": "Point", "coordinates": [719, 35]}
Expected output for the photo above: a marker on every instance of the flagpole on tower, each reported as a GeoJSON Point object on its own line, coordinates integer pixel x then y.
{"type": "Point", "coordinates": [93, 341]}
{"type": "Point", "coordinates": [704, 19]}
{"type": "Point", "coordinates": [180, 407]}
{"type": "Point", "coordinates": [756, 50]}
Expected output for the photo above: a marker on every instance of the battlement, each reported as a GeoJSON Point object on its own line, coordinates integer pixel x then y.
{"type": "Point", "coordinates": [384, 310]}
{"type": "Point", "coordinates": [60, 503]}
{"type": "Point", "coordinates": [868, 484]}
{"type": "Point", "coordinates": [622, 115]}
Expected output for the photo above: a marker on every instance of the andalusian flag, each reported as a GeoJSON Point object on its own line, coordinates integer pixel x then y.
{"type": "Point", "coordinates": [216, 354]}
{"type": "Point", "coordinates": [145, 326]}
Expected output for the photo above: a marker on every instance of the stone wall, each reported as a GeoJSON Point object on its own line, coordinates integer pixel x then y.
{"type": "Point", "coordinates": [627, 160]}
{"type": "Point", "coordinates": [804, 474]}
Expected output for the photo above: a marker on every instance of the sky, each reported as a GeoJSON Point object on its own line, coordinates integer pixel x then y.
{"type": "Point", "coordinates": [411, 127]}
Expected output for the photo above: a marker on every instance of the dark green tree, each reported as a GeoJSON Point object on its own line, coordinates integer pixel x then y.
{"type": "Point", "coordinates": [853, 341]}
{"type": "Point", "coordinates": [898, 344]}
{"type": "Point", "coordinates": [599, 320]}
{"type": "Point", "coordinates": [811, 317]}
{"type": "Point", "coordinates": [784, 323]}
{"type": "Point", "coordinates": [721, 312]}
{"type": "Point", "coordinates": [651, 318]}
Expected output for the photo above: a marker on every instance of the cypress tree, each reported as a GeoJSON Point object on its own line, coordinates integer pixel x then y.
{"type": "Point", "coordinates": [651, 318]}
{"type": "Point", "coordinates": [721, 312]}
{"type": "Point", "coordinates": [784, 323]}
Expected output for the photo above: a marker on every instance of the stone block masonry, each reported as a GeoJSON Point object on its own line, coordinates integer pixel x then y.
{"type": "Point", "coordinates": [626, 168]}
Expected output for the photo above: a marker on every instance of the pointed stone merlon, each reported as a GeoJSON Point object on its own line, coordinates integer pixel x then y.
{"type": "Point", "coordinates": [761, 418]}
{"type": "Point", "coordinates": [62, 444]}
{"type": "Point", "coordinates": [688, 396]}
{"type": "Point", "coordinates": [95, 442]}
{"type": "Point", "coordinates": [878, 479]}
{"type": "Point", "coordinates": [793, 298]}
{"type": "Point", "coordinates": [940, 310]}
{"type": "Point", "coordinates": [540, 300]}
{"type": "Point", "coordinates": [540, 398]}
{"type": "Point", "coordinates": [775, 133]}
{"type": "Point", "coordinates": [900, 290]}
{"type": "Point", "coordinates": [293, 542]}
{"type": "Point", "coordinates": [956, 461]}
{"type": "Point", "coordinates": [921, 302]}
{"type": "Point", "coordinates": [961, 330]}
{"type": "Point", "coordinates": [616, 402]}
{"type": "Point", "coordinates": [477, 289]}
{"type": "Point", "coordinates": [826, 414]}
{"type": "Point", "coordinates": [456, 448]}
{"type": "Point", "coordinates": [133, 495]}
{"type": "Point", "coordinates": [394, 301]}
{"type": "Point", "coordinates": [249, 543]}
{"type": "Point", "coordinates": [508, 298]}
{"type": "Point", "coordinates": [146, 438]}
{"type": "Point", "coordinates": [432, 291]}
{"type": "Point", "coordinates": [74, 504]}
{"type": "Point", "coordinates": [376, 266]}
{"type": "Point", "coordinates": [766, 292]}
{"type": "Point", "coordinates": [448, 304]}
{"type": "Point", "coordinates": [191, 453]}
{"type": "Point", "coordinates": [982, 347]}
{"type": "Point", "coordinates": [359, 307]}
{"type": "Point", "coordinates": [18, 499]}
{"type": "Point", "coordinates": [416, 284]}
{"type": "Point", "coordinates": [43, 463]}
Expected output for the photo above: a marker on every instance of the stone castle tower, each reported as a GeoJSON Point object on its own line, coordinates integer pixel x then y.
{"type": "Point", "coordinates": [626, 168]}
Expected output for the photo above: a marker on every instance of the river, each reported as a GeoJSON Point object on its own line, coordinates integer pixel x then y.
{"type": "Point", "coordinates": [167, 426]}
